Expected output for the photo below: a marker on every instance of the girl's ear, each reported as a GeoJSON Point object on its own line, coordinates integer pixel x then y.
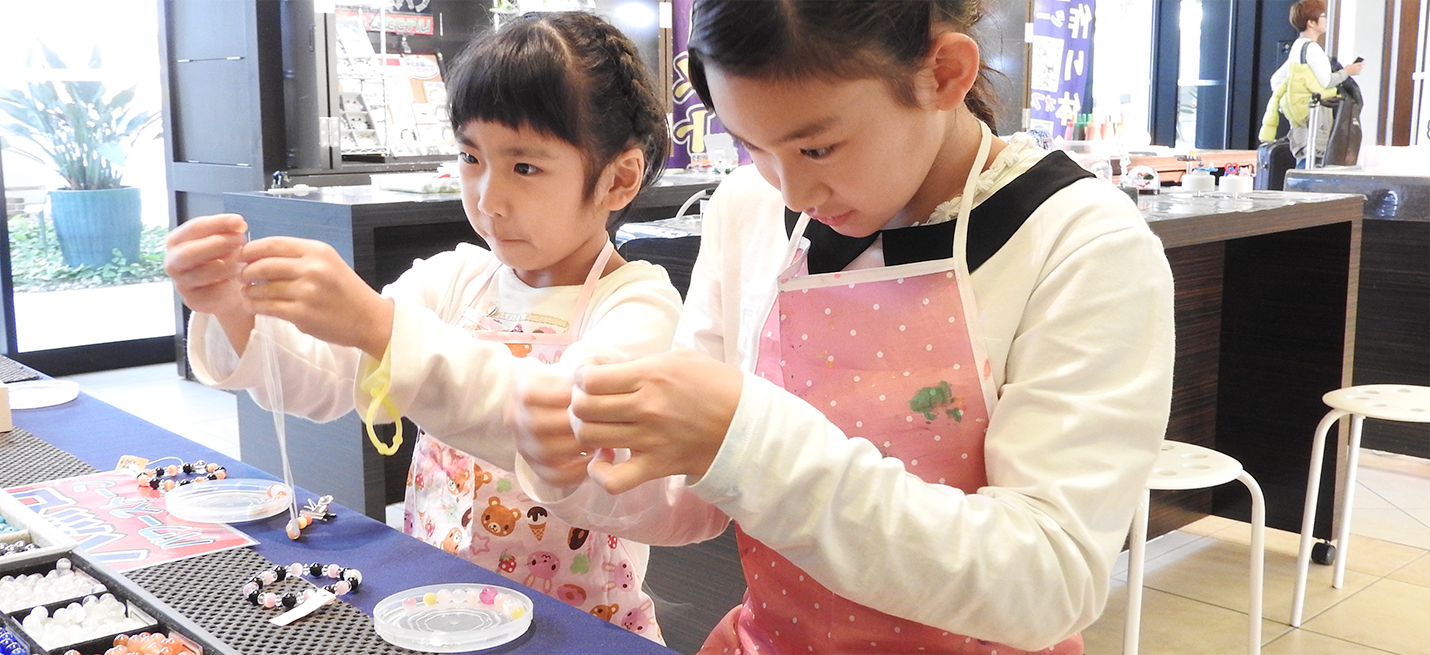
{"type": "Point", "coordinates": [953, 61]}
{"type": "Point", "coordinates": [621, 180]}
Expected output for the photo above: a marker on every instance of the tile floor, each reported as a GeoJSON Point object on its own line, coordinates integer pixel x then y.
{"type": "Point", "coordinates": [1195, 599]}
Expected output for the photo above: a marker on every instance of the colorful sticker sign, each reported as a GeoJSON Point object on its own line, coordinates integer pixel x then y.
{"type": "Point", "coordinates": [122, 524]}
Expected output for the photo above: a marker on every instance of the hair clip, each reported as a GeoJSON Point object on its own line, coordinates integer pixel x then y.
{"type": "Point", "coordinates": [316, 510]}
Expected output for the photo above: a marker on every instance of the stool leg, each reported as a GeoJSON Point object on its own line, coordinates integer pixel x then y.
{"type": "Point", "coordinates": [1308, 514]}
{"type": "Point", "coordinates": [1258, 559]}
{"type": "Point", "coordinates": [1136, 556]}
{"type": "Point", "coordinates": [1343, 540]}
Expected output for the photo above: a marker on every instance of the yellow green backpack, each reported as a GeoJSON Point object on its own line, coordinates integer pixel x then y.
{"type": "Point", "coordinates": [1293, 97]}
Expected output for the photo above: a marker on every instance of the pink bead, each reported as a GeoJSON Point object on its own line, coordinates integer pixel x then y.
{"type": "Point", "coordinates": [295, 569]}
{"type": "Point", "coordinates": [342, 587]}
{"type": "Point", "coordinates": [267, 577]}
{"type": "Point", "coordinates": [270, 600]}
{"type": "Point", "coordinates": [248, 589]}
{"type": "Point", "coordinates": [488, 596]}
{"type": "Point", "coordinates": [409, 603]}
{"type": "Point", "coordinates": [333, 570]}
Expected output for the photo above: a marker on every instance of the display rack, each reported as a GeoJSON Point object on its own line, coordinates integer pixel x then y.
{"type": "Point", "coordinates": [388, 104]}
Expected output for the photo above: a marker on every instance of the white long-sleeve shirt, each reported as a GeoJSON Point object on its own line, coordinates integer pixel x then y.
{"type": "Point", "coordinates": [1077, 318]}
{"type": "Point", "coordinates": [1316, 58]}
{"type": "Point", "coordinates": [452, 385]}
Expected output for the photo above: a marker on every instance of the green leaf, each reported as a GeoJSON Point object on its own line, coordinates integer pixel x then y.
{"type": "Point", "coordinates": [51, 58]}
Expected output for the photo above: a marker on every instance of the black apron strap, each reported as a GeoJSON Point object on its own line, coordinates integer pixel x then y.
{"type": "Point", "coordinates": [994, 222]}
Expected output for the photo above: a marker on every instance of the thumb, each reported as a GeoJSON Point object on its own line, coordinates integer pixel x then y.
{"type": "Point", "coordinates": [619, 478]}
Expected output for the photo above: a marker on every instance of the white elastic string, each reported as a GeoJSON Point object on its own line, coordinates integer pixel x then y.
{"type": "Point", "coordinates": [275, 405]}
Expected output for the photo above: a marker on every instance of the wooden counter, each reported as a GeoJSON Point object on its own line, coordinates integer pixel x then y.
{"type": "Point", "coordinates": [1265, 313]}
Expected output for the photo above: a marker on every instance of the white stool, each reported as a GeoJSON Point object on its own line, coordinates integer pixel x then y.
{"type": "Point", "coordinates": [1179, 467]}
{"type": "Point", "coordinates": [1390, 402]}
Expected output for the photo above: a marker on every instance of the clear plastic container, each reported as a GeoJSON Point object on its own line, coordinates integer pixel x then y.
{"type": "Point", "coordinates": [232, 500]}
{"type": "Point", "coordinates": [452, 618]}
{"type": "Point", "coordinates": [42, 393]}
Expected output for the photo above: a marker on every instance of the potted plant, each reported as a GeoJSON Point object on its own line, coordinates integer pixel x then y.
{"type": "Point", "coordinates": [85, 133]}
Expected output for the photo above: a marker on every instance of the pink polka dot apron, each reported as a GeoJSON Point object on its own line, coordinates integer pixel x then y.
{"type": "Point", "coordinates": [469, 507]}
{"type": "Point", "coordinates": [888, 354]}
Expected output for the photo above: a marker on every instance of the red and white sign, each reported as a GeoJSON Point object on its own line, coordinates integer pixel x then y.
{"type": "Point", "coordinates": [120, 523]}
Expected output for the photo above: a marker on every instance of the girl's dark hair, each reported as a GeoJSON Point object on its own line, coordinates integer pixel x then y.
{"type": "Point", "coordinates": [838, 39]}
{"type": "Point", "coordinates": [569, 75]}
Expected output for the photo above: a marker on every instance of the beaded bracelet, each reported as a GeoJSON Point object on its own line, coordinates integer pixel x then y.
{"type": "Point", "coordinates": [348, 580]}
{"type": "Point", "coordinates": [166, 477]}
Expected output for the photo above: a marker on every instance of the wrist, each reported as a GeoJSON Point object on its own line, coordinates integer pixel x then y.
{"type": "Point", "coordinates": [377, 341]}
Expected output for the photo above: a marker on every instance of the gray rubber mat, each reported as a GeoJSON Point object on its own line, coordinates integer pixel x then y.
{"type": "Point", "coordinates": [205, 589]}
{"type": "Point", "coordinates": [25, 459]}
{"type": "Point", "coordinates": [13, 371]}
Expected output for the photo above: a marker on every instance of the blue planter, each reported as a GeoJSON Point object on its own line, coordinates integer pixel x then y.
{"type": "Point", "coordinates": [91, 225]}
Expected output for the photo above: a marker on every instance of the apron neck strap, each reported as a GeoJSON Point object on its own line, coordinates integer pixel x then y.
{"type": "Point", "coordinates": [965, 203]}
{"type": "Point", "coordinates": [588, 289]}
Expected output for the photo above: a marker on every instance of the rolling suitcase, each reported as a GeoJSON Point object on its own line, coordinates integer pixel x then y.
{"type": "Point", "coordinates": [1273, 159]}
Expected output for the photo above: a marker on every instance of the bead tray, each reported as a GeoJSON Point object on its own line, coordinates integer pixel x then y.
{"type": "Point", "coordinates": [138, 601]}
{"type": "Point", "coordinates": [455, 617]}
{"type": "Point", "coordinates": [51, 540]}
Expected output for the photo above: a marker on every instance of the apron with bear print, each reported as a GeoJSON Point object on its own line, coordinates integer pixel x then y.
{"type": "Point", "coordinates": [471, 508]}
{"type": "Point", "coordinates": [894, 355]}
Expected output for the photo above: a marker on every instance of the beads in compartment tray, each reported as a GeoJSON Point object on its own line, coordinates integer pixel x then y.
{"type": "Point", "coordinates": [147, 643]}
{"type": "Point", "coordinates": [17, 546]}
{"type": "Point", "coordinates": [60, 583]}
{"type": "Point", "coordinates": [11, 645]}
{"type": "Point", "coordinates": [91, 618]}
{"type": "Point", "coordinates": [6, 528]}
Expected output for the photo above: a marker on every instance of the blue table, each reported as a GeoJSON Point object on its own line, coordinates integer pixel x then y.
{"type": "Point", "coordinates": [99, 434]}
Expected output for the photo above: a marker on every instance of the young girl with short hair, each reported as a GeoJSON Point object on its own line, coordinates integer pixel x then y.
{"type": "Point", "coordinates": [559, 129]}
{"type": "Point", "coordinates": [929, 369]}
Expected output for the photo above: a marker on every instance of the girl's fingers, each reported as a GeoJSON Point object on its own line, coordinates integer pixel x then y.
{"type": "Point", "coordinates": [275, 247]}
{"type": "Point", "coordinates": [612, 435]}
{"type": "Point", "coordinates": [605, 379]}
{"type": "Point", "coordinates": [622, 477]}
{"type": "Point", "coordinates": [609, 408]}
{"type": "Point", "coordinates": [203, 226]}
{"type": "Point", "coordinates": [187, 255]}
{"type": "Point", "coordinates": [208, 273]}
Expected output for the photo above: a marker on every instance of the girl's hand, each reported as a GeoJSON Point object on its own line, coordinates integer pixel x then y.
{"type": "Point", "coordinates": [308, 284]}
{"type": "Point", "coordinates": [671, 410]}
{"type": "Point", "coordinates": [202, 259]}
{"type": "Point", "coordinates": [540, 417]}
{"type": "Point", "coordinates": [1354, 69]}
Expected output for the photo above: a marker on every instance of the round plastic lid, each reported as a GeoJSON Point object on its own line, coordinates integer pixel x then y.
{"type": "Point", "coordinates": [454, 617]}
{"type": "Point", "coordinates": [34, 394]}
{"type": "Point", "coordinates": [231, 500]}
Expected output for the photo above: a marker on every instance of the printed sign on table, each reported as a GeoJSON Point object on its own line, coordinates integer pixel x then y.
{"type": "Point", "coordinates": [122, 525]}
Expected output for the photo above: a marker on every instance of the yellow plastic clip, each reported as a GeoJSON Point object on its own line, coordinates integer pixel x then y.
{"type": "Point", "coordinates": [377, 384]}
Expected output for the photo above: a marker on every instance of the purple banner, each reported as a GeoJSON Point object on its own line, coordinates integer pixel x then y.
{"type": "Point", "coordinates": [1061, 62]}
{"type": "Point", "coordinates": [691, 121]}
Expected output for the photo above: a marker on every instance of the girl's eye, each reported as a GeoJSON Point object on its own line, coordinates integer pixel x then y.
{"type": "Point", "coordinates": [466, 158]}
{"type": "Point", "coordinates": [816, 153]}
{"type": "Point", "coordinates": [524, 169]}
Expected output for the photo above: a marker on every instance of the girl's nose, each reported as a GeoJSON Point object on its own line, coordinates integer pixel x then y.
{"type": "Point", "coordinates": [491, 199]}
{"type": "Point", "coordinates": [801, 191]}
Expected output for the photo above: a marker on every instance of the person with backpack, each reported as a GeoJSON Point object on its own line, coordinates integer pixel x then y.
{"type": "Point", "coordinates": [1308, 70]}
